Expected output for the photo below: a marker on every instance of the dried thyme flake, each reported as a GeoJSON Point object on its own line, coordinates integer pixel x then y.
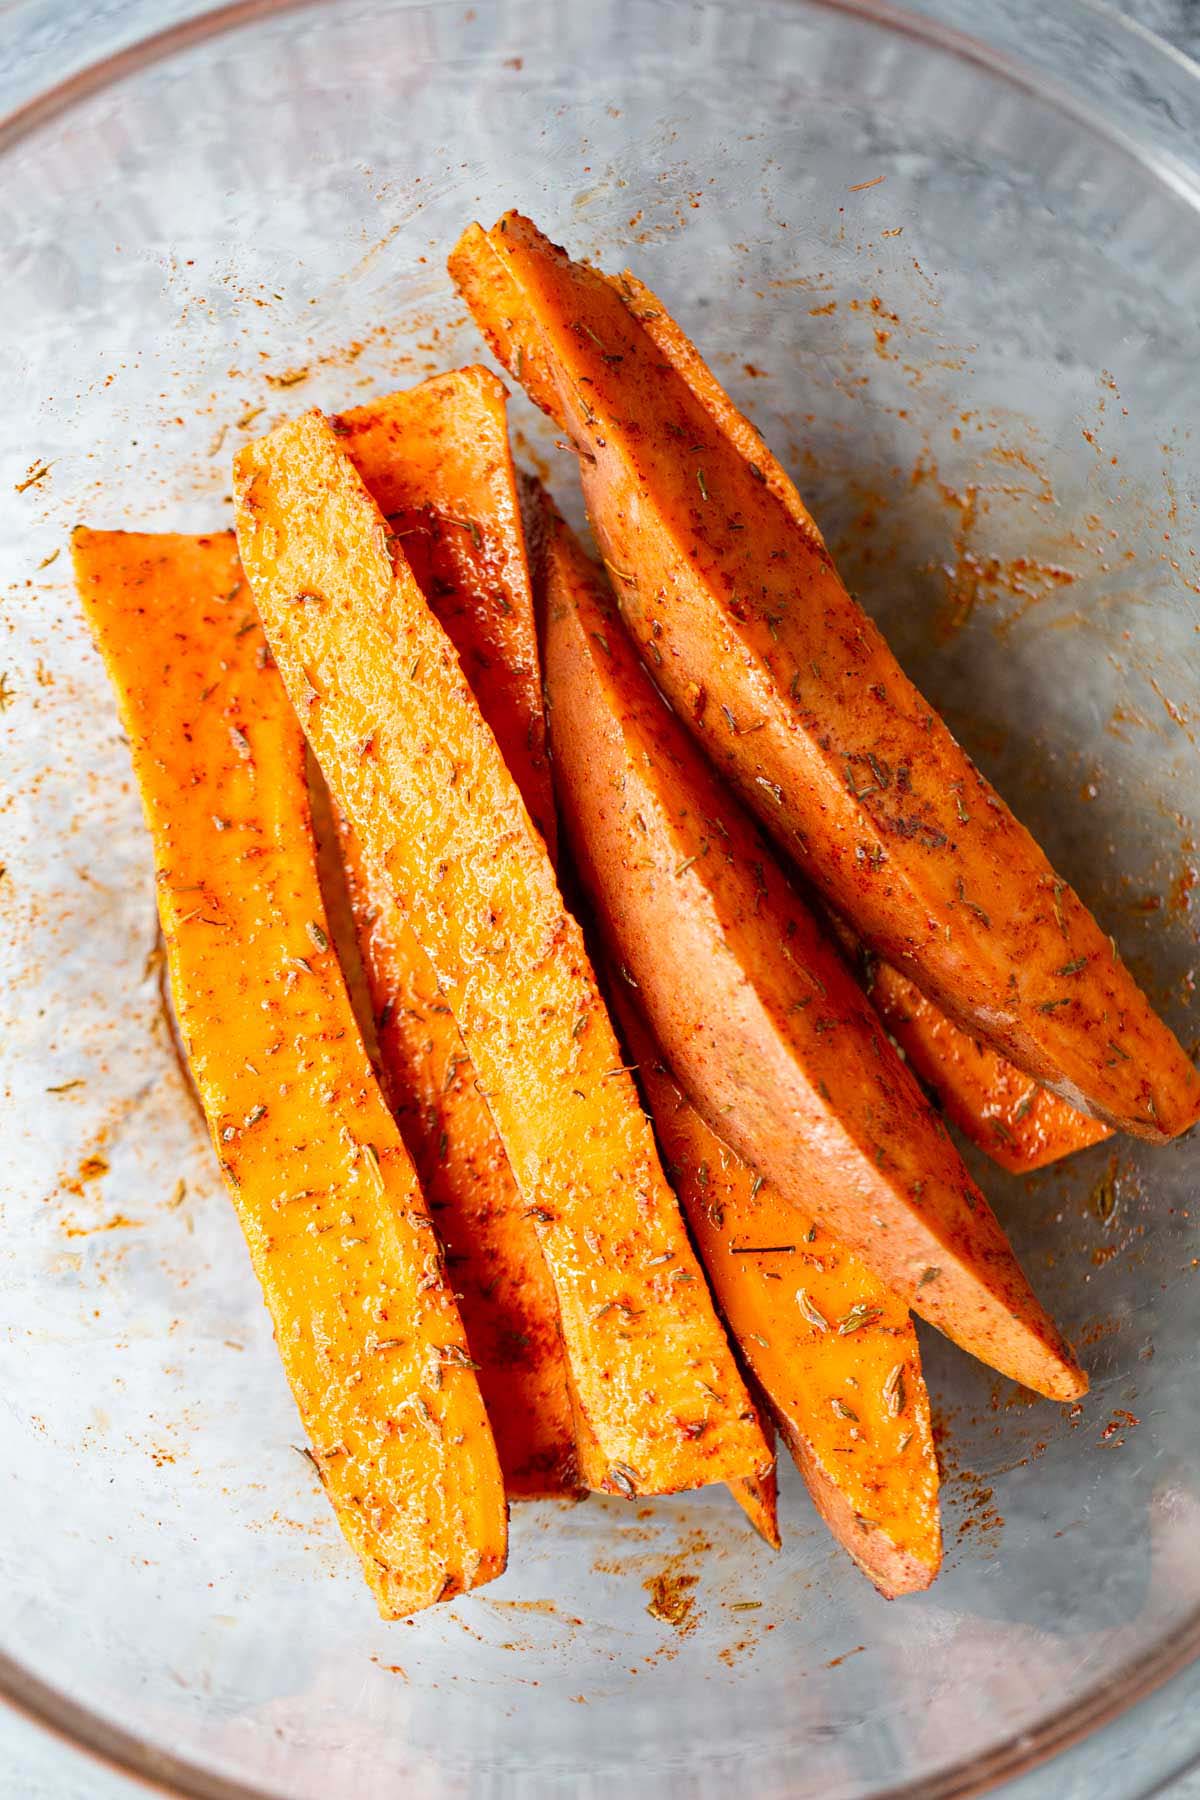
{"type": "Point", "coordinates": [1059, 888]}
{"type": "Point", "coordinates": [311, 1459]}
{"type": "Point", "coordinates": [811, 1310]}
{"type": "Point", "coordinates": [624, 1479]}
{"type": "Point", "coordinates": [470, 525]}
{"type": "Point", "coordinates": [859, 1315]}
{"type": "Point", "coordinates": [973, 906]}
{"type": "Point", "coordinates": [1104, 1196]}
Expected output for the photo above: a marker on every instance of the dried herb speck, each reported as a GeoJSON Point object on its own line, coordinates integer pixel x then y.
{"type": "Point", "coordinates": [811, 1310]}
{"type": "Point", "coordinates": [624, 1479]}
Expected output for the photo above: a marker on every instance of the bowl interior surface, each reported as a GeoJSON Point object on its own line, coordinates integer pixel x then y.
{"type": "Point", "coordinates": [968, 321]}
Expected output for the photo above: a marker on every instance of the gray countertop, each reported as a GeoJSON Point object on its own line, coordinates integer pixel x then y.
{"type": "Point", "coordinates": [1178, 21]}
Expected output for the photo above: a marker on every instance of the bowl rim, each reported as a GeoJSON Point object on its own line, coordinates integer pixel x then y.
{"type": "Point", "coordinates": [161, 1771]}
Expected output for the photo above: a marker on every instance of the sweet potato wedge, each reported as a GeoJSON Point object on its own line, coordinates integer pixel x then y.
{"type": "Point", "coordinates": [1020, 1125]}
{"type": "Point", "coordinates": [734, 602]}
{"type": "Point", "coordinates": [834, 1352]}
{"type": "Point", "coordinates": [342, 1245]}
{"type": "Point", "coordinates": [757, 1494]}
{"type": "Point", "coordinates": [407, 754]}
{"type": "Point", "coordinates": [753, 1004]}
{"type": "Point", "coordinates": [436, 461]}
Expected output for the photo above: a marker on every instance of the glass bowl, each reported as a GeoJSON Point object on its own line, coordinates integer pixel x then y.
{"type": "Point", "coordinates": [957, 286]}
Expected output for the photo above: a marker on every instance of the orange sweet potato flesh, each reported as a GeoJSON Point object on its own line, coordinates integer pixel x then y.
{"type": "Point", "coordinates": [436, 459]}
{"type": "Point", "coordinates": [753, 1004]}
{"type": "Point", "coordinates": [835, 1353]}
{"type": "Point", "coordinates": [437, 463]}
{"type": "Point", "coordinates": [735, 603]}
{"type": "Point", "coordinates": [337, 1229]}
{"type": "Point", "coordinates": [410, 759]}
{"type": "Point", "coordinates": [1020, 1125]}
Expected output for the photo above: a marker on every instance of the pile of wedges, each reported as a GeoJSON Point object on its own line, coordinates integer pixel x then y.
{"type": "Point", "coordinates": [588, 1123]}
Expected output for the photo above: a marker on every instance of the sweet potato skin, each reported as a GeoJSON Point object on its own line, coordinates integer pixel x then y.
{"type": "Point", "coordinates": [833, 1351]}
{"type": "Point", "coordinates": [365, 1322]}
{"type": "Point", "coordinates": [737, 608]}
{"type": "Point", "coordinates": [433, 802]}
{"type": "Point", "coordinates": [751, 1002]}
{"type": "Point", "coordinates": [435, 458]}
{"type": "Point", "coordinates": [1019, 1124]}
